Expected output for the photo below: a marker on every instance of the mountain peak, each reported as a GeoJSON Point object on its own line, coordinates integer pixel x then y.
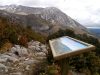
{"type": "Point", "coordinates": [52, 8]}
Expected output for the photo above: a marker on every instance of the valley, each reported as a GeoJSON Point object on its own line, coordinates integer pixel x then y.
{"type": "Point", "coordinates": [95, 31]}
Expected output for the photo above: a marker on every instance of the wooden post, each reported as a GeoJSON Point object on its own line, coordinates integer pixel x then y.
{"type": "Point", "coordinates": [64, 66]}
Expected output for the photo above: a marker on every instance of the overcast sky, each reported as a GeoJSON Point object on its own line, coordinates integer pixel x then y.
{"type": "Point", "coordinates": [87, 12]}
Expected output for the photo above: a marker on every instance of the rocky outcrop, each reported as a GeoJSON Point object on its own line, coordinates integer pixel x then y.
{"type": "Point", "coordinates": [23, 61]}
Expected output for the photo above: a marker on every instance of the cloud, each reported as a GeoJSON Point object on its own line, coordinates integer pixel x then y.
{"type": "Point", "coordinates": [84, 11]}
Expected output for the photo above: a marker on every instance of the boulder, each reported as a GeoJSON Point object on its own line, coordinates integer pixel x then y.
{"type": "Point", "coordinates": [3, 60]}
{"type": "Point", "coordinates": [27, 67]}
{"type": "Point", "coordinates": [13, 49]}
{"type": "Point", "coordinates": [31, 61]}
{"type": "Point", "coordinates": [37, 42]}
{"type": "Point", "coordinates": [17, 46]}
{"type": "Point", "coordinates": [31, 47]}
{"type": "Point", "coordinates": [44, 48]}
{"type": "Point", "coordinates": [3, 68]}
{"type": "Point", "coordinates": [40, 54]}
{"type": "Point", "coordinates": [23, 51]}
{"type": "Point", "coordinates": [37, 48]}
{"type": "Point", "coordinates": [20, 51]}
{"type": "Point", "coordinates": [9, 58]}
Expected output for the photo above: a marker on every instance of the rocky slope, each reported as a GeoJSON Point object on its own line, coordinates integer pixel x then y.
{"type": "Point", "coordinates": [52, 15]}
{"type": "Point", "coordinates": [63, 21]}
{"type": "Point", "coordinates": [23, 61]}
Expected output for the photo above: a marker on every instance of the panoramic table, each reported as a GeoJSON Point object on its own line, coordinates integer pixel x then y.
{"type": "Point", "coordinates": [66, 46]}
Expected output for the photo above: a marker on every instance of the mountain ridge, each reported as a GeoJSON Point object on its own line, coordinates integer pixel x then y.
{"type": "Point", "coordinates": [55, 17]}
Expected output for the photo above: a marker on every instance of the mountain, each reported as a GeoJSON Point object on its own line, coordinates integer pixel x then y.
{"type": "Point", "coordinates": [50, 19]}
{"type": "Point", "coordinates": [57, 17]}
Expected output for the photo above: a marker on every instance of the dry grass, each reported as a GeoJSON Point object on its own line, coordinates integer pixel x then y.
{"type": "Point", "coordinates": [6, 47]}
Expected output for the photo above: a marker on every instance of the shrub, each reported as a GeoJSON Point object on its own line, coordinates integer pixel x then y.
{"type": "Point", "coordinates": [23, 40]}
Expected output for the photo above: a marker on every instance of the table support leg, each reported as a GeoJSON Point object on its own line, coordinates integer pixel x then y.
{"type": "Point", "coordinates": [64, 67]}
